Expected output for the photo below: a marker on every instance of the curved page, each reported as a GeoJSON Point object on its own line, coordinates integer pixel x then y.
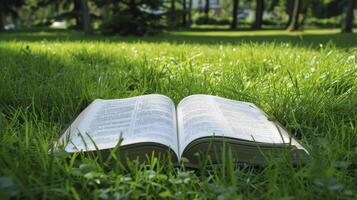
{"type": "Point", "coordinates": [148, 118]}
{"type": "Point", "coordinates": [204, 115]}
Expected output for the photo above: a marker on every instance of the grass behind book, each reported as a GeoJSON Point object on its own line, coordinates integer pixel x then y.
{"type": "Point", "coordinates": [44, 84]}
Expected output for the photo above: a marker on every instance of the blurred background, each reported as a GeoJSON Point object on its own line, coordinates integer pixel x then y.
{"type": "Point", "coordinates": [148, 17]}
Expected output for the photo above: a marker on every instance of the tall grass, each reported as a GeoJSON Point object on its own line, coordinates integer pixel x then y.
{"type": "Point", "coordinates": [312, 90]}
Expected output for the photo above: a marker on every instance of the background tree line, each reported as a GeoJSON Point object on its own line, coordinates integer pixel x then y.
{"type": "Point", "coordinates": [142, 17]}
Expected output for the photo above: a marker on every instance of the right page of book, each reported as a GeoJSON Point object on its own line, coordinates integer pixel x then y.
{"type": "Point", "coordinates": [205, 115]}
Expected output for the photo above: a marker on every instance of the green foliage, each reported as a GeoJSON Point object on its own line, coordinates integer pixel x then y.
{"type": "Point", "coordinates": [306, 81]}
{"type": "Point", "coordinates": [204, 20]}
{"type": "Point", "coordinates": [201, 19]}
{"type": "Point", "coordinates": [10, 7]}
{"type": "Point", "coordinates": [334, 22]}
{"type": "Point", "coordinates": [327, 8]}
{"type": "Point", "coordinates": [134, 18]}
{"type": "Point", "coordinates": [226, 11]}
{"type": "Point", "coordinates": [140, 17]}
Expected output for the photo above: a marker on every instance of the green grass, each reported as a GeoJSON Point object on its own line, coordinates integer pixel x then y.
{"type": "Point", "coordinates": [307, 81]}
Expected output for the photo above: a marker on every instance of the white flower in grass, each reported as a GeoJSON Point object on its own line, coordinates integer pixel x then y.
{"type": "Point", "coordinates": [196, 56]}
{"type": "Point", "coordinates": [276, 67]}
{"type": "Point", "coordinates": [134, 51]}
{"type": "Point", "coordinates": [217, 74]}
{"type": "Point", "coordinates": [285, 44]}
{"type": "Point", "coordinates": [351, 58]}
{"type": "Point", "coordinates": [100, 79]}
{"type": "Point", "coordinates": [204, 69]}
{"type": "Point", "coordinates": [312, 69]}
{"type": "Point", "coordinates": [234, 49]}
{"type": "Point", "coordinates": [307, 75]}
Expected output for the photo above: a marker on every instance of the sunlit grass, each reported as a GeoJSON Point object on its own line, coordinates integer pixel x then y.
{"type": "Point", "coordinates": [257, 33]}
{"type": "Point", "coordinates": [46, 82]}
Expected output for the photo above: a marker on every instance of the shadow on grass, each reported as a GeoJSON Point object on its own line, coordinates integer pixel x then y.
{"type": "Point", "coordinates": [41, 84]}
{"type": "Point", "coordinates": [312, 39]}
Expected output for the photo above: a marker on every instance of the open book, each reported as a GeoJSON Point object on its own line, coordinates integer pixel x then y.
{"type": "Point", "coordinates": [200, 123]}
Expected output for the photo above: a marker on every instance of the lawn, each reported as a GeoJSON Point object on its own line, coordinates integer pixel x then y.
{"type": "Point", "coordinates": [307, 81]}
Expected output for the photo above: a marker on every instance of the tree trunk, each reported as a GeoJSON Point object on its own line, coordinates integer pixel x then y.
{"type": "Point", "coordinates": [184, 13]}
{"type": "Point", "coordinates": [348, 23]}
{"type": "Point", "coordinates": [289, 9]}
{"type": "Point", "coordinates": [173, 6]}
{"type": "Point", "coordinates": [207, 8]}
{"type": "Point", "coordinates": [272, 5]}
{"type": "Point", "coordinates": [86, 17]}
{"type": "Point", "coordinates": [116, 7]}
{"type": "Point", "coordinates": [105, 12]}
{"type": "Point", "coordinates": [259, 10]}
{"type": "Point", "coordinates": [173, 14]}
{"type": "Point", "coordinates": [304, 14]}
{"type": "Point", "coordinates": [77, 14]}
{"type": "Point", "coordinates": [294, 24]}
{"type": "Point", "coordinates": [234, 14]}
{"type": "Point", "coordinates": [1, 21]}
{"type": "Point", "coordinates": [189, 12]}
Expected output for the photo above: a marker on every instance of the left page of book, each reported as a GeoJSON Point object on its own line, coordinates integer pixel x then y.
{"type": "Point", "coordinates": [148, 118]}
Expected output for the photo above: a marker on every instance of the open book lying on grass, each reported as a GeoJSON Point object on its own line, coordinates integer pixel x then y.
{"type": "Point", "coordinates": [201, 123]}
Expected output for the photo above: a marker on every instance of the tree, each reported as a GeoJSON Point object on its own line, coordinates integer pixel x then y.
{"type": "Point", "coordinates": [190, 12]}
{"type": "Point", "coordinates": [71, 9]}
{"type": "Point", "coordinates": [86, 17]}
{"type": "Point", "coordinates": [65, 10]}
{"type": "Point", "coordinates": [234, 14]}
{"type": "Point", "coordinates": [134, 17]}
{"type": "Point", "coordinates": [327, 8]}
{"type": "Point", "coordinates": [1, 21]}
{"type": "Point", "coordinates": [272, 5]}
{"type": "Point", "coordinates": [173, 7]}
{"type": "Point", "coordinates": [76, 12]}
{"type": "Point", "coordinates": [184, 13]}
{"type": "Point", "coordinates": [348, 23]}
{"type": "Point", "coordinates": [207, 8]}
{"type": "Point", "coordinates": [173, 14]}
{"type": "Point", "coordinates": [258, 15]}
{"type": "Point", "coordinates": [294, 24]}
{"type": "Point", "coordinates": [289, 5]}
{"type": "Point", "coordinates": [9, 7]}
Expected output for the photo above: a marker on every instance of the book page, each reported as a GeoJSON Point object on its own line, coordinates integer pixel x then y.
{"type": "Point", "coordinates": [205, 115]}
{"type": "Point", "coordinates": [148, 118]}
{"type": "Point", "coordinates": [198, 117]}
